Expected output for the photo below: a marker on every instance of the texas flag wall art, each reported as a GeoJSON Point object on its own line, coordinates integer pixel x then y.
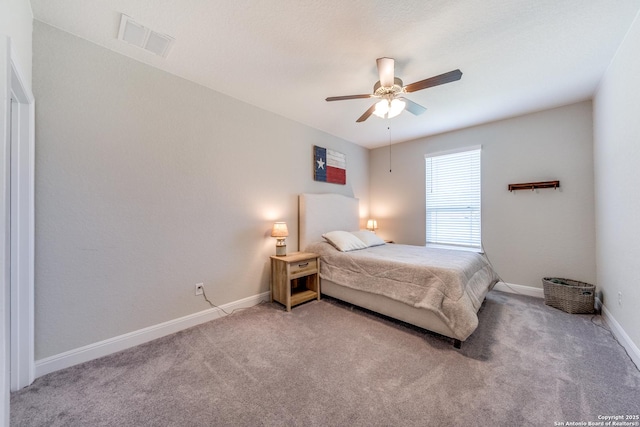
{"type": "Point", "coordinates": [330, 166]}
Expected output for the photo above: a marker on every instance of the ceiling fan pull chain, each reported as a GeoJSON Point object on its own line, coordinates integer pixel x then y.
{"type": "Point", "coordinates": [389, 129]}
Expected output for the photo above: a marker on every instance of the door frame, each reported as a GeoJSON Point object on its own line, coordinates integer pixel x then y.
{"type": "Point", "coordinates": [18, 202]}
{"type": "Point", "coordinates": [22, 231]}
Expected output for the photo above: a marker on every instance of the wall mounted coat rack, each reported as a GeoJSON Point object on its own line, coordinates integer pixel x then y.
{"type": "Point", "coordinates": [533, 185]}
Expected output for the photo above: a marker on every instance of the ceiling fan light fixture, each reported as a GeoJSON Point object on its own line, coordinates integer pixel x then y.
{"type": "Point", "coordinates": [389, 108]}
{"type": "Point", "coordinates": [395, 107]}
{"type": "Point", "coordinates": [382, 108]}
{"type": "Point", "coordinates": [389, 89]}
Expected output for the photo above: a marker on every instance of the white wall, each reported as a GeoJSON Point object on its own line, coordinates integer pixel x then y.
{"type": "Point", "coordinates": [527, 235]}
{"type": "Point", "coordinates": [617, 166]}
{"type": "Point", "coordinates": [16, 21]}
{"type": "Point", "coordinates": [147, 184]}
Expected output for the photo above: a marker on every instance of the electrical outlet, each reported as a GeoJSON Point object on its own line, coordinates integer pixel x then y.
{"type": "Point", "coordinates": [620, 299]}
{"type": "Point", "coordinates": [199, 289]}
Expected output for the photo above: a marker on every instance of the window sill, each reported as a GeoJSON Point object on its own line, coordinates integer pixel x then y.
{"type": "Point", "coordinates": [455, 248]}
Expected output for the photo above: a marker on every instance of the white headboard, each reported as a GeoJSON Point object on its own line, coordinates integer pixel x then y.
{"type": "Point", "coordinates": [321, 213]}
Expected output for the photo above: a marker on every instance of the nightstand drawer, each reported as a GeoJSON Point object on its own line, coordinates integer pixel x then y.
{"type": "Point", "coordinates": [303, 267]}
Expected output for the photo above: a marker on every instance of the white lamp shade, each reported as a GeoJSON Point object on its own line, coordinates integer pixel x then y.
{"type": "Point", "coordinates": [396, 107]}
{"type": "Point", "coordinates": [279, 230]}
{"type": "Point", "coordinates": [389, 109]}
{"type": "Point", "coordinates": [382, 108]}
{"type": "Point", "coordinates": [372, 224]}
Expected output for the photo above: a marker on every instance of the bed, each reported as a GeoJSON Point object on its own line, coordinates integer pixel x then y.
{"type": "Point", "coordinates": [435, 289]}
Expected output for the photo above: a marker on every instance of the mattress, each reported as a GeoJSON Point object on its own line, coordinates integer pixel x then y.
{"type": "Point", "coordinates": [450, 283]}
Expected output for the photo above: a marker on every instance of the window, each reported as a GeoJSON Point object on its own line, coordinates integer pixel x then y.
{"type": "Point", "coordinates": [453, 198]}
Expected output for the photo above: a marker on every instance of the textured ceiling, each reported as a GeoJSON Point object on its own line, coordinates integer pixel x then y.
{"type": "Point", "coordinates": [287, 56]}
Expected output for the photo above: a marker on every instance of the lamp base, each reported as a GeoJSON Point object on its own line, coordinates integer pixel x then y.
{"type": "Point", "coordinates": [281, 249]}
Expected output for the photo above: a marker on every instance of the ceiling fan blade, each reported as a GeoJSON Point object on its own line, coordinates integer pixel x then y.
{"type": "Point", "coordinates": [449, 77]}
{"type": "Point", "coordinates": [342, 98]}
{"type": "Point", "coordinates": [385, 71]}
{"type": "Point", "coordinates": [412, 107]}
{"type": "Point", "coordinates": [366, 114]}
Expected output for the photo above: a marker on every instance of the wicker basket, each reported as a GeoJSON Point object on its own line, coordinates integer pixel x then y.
{"type": "Point", "coordinates": [570, 296]}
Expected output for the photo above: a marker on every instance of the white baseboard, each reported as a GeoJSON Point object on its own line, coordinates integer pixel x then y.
{"type": "Point", "coordinates": [620, 334]}
{"type": "Point", "coordinates": [132, 339]}
{"type": "Point", "coordinates": [519, 289]}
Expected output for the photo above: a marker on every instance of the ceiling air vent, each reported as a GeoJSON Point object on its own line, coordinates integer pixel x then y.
{"type": "Point", "coordinates": [142, 37]}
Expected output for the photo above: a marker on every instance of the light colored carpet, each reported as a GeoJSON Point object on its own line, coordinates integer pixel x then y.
{"type": "Point", "coordinates": [326, 363]}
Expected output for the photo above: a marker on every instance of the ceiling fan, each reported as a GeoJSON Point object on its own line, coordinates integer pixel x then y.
{"type": "Point", "coordinates": [389, 88]}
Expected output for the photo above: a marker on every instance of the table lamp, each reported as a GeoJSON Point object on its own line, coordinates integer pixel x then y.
{"type": "Point", "coordinates": [280, 232]}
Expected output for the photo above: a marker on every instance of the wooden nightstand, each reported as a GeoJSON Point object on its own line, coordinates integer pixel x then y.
{"type": "Point", "coordinates": [294, 278]}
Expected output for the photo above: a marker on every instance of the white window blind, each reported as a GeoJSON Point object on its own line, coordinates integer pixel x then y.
{"type": "Point", "coordinates": [453, 198]}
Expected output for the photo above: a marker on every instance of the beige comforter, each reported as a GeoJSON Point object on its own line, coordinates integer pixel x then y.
{"type": "Point", "coordinates": [450, 283]}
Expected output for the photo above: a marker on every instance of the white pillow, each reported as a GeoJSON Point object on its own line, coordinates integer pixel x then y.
{"type": "Point", "coordinates": [369, 238]}
{"type": "Point", "coordinates": [344, 241]}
